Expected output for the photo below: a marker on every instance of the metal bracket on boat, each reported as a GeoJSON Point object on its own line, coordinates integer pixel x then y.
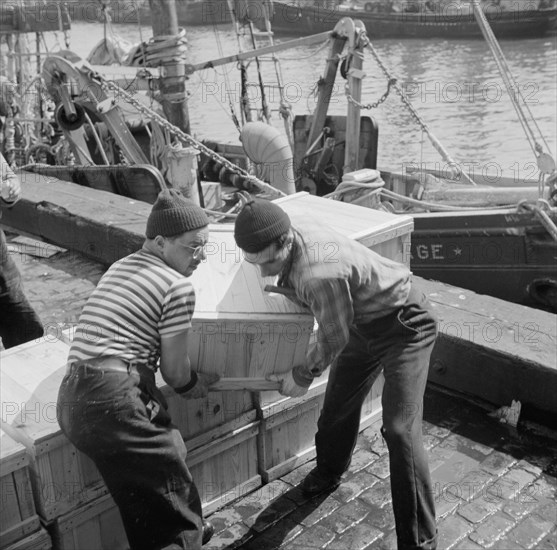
{"type": "Point", "coordinates": [107, 105]}
{"type": "Point", "coordinates": [356, 73]}
{"type": "Point", "coordinates": [541, 209]}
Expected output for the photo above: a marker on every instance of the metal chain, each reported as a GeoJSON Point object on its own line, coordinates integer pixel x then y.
{"type": "Point", "coordinates": [398, 90]}
{"type": "Point", "coordinates": [392, 82]}
{"type": "Point", "coordinates": [434, 141]}
{"type": "Point", "coordinates": [109, 86]}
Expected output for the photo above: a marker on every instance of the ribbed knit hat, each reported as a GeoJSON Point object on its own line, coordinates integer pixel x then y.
{"type": "Point", "coordinates": [172, 214]}
{"type": "Point", "coordinates": [258, 224]}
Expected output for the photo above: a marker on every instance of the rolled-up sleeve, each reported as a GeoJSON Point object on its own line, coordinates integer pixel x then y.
{"type": "Point", "coordinates": [330, 301]}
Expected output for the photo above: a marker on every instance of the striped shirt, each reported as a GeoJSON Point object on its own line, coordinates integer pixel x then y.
{"type": "Point", "coordinates": [344, 284]}
{"type": "Point", "coordinates": [138, 300]}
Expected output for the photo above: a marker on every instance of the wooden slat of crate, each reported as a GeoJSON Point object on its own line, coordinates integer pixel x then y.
{"type": "Point", "coordinates": [97, 525]}
{"type": "Point", "coordinates": [223, 463]}
{"type": "Point", "coordinates": [287, 434]}
{"type": "Point", "coordinates": [18, 516]}
{"type": "Point", "coordinates": [37, 541]}
{"type": "Point", "coordinates": [61, 476]}
{"type": "Point", "coordinates": [193, 417]}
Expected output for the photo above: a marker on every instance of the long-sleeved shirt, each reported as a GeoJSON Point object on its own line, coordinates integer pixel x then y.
{"type": "Point", "coordinates": [344, 284]}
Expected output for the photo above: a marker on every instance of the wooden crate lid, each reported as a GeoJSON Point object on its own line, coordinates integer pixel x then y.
{"type": "Point", "coordinates": [365, 225]}
{"type": "Point", "coordinates": [30, 377]}
{"type": "Point", "coordinates": [12, 455]}
{"type": "Point", "coordinates": [227, 286]}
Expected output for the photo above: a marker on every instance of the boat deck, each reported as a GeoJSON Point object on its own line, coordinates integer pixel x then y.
{"type": "Point", "coordinates": [495, 486]}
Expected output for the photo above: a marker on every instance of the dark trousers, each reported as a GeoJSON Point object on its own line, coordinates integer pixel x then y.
{"type": "Point", "coordinates": [120, 421]}
{"type": "Point", "coordinates": [19, 323]}
{"type": "Point", "coordinates": [400, 345]}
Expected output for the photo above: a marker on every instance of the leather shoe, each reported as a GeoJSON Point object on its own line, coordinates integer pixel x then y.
{"type": "Point", "coordinates": [317, 482]}
{"type": "Point", "coordinates": [208, 531]}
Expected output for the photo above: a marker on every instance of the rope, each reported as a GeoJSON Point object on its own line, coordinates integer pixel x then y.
{"type": "Point", "coordinates": [510, 83]}
{"type": "Point", "coordinates": [434, 141]}
{"type": "Point", "coordinates": [540, 213]}
{"type": "Point", "coordinates": [232, 114]}
{"type": "Point", "coordinates": [227, 86]}
{"type": "Point", "coordinates": [167, 49]}
{"type": "Point", "coordinates": [264, 106]}
{"type": "Point", "coordinates": [346, 187]}
{"type": "Point", "coordinates": [285, 109]}
{"type": "Point", "coordinates": [97, 139]}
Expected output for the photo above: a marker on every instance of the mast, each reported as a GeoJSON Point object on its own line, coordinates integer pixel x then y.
{"type": "Point", "coordinates": [173, 76]}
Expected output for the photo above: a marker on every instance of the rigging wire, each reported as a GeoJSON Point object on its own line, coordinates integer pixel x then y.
{"type": "Point", "coordinates": [510, 83]}
{"type": "Point", "coordinates": [227, 86]}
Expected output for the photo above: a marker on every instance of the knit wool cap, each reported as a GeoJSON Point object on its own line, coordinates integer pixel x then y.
{"type": "Point", "coordinates": [258, 224]}
{"type": "Point", "coordinates": [173, 214]}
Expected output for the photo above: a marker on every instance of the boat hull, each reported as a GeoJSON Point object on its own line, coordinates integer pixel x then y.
{"type": "Point", "coordinates": [289, 19]}
{"type": "Point", "coordinates": [504, 255]}
{"type": "Point", "coordinates": [189, 13]}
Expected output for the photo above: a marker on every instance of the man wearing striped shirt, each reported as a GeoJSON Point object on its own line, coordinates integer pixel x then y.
{"type": "Point", "coordinates": [370, 318]}
{"type": "Point", "coordinates": [137, 320]}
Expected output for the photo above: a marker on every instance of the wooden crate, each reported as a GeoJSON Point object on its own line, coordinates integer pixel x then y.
{"type": "Point", "coordinates": [239, 329]}
{"type": "Point", "coordinates": [386, 234]}
{"type": "Point", "coordinates": [287, 433]}
{"type": "Point", "coordinates": [62, 477]}
{"type": "Point", "coordinates": [95, 525]}
{"type": "Point", "coordinates": [18, 516]}
{"type": "Point", "coordinates": [224, 462]}
{"type": "Point", "coordinates": [37, 541]}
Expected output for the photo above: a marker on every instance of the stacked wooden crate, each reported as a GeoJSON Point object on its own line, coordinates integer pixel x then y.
{"type": "Point", "coordinates": [19, 523]}
{"type": "Point", "coordinates": [69, 494]}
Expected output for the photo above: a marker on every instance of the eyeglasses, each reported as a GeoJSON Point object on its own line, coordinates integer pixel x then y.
{"type": "Point", "coordinates": [197, 251]}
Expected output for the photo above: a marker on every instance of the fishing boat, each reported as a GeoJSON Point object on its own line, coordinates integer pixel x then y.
{"type": "Point", "coordinates": [383, 19]}
{"type": "Point", "coordinates": [453, 20]}
{"type": "Point", "coordinates": [469, 230]}
{"type": "Point", "coordinates": [188, 12]}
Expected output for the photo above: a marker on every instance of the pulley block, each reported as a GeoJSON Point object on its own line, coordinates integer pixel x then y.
{"type": "Point", "coordinates": [70, 121]}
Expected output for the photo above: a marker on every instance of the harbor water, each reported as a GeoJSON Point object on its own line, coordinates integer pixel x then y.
{"type": "Point", "coordinates": [454, 85]}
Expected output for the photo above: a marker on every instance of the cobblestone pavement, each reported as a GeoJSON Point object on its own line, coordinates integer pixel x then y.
{"type": "Point", "coordinates": [495, 486]}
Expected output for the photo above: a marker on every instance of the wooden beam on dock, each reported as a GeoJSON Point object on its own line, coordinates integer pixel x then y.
{"type": "Point", "coordinates": [494, 350]}
{"type": "Point", "coordinates": [101, 225]}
